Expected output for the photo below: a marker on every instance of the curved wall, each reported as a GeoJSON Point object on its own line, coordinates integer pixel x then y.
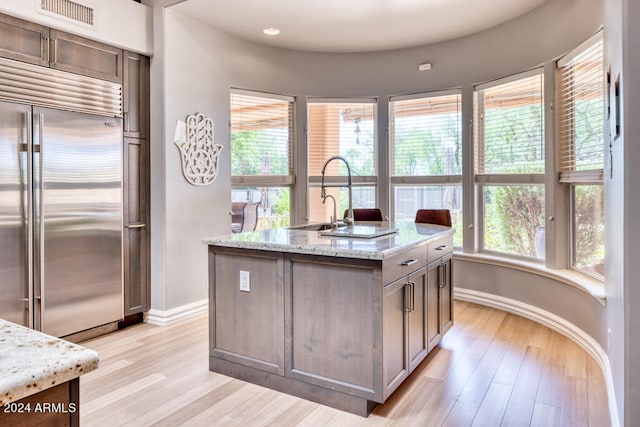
{"type": "Point", "coordinates": [201, 63]}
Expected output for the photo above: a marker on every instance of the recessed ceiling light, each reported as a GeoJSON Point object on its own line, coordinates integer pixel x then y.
{"type": "Point", "coordinates": [271, 31]}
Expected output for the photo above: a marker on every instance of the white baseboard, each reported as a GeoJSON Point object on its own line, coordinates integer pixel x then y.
{"type": "Point", "coordinates": [169, 317]}
{"type": "Point", "coordinates": [552, 321]}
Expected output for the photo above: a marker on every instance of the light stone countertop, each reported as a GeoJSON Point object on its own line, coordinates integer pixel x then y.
{"type": "Point", "coordinates": [294, 240]}
{"type": "Point", "coordinates": [31, 361]}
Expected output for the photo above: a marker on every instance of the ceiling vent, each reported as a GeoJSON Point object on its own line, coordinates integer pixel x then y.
{"type": "Point", "coordinates": [70, 10]}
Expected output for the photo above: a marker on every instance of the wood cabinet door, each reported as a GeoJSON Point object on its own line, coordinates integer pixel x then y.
{"type": "Point", "coordinates": [86, 57]}
{"type": "Point", "coordinates": [136, 95]}
{"type": "Point", "coordinates": [136, 237]}
{"type": "Point", "coordinates": [433, 304]}
{"type": "Point", "coordinates": [417, 318]}
{"type": "Point", "coordinates": [395, 335]}
{"type": "Point", "coordinates": [334, 340]}
{"type": "Point", "coordinates": [247, 325]}
{"type": "Point", "coordinates": [24, 41]}
{"type": "Point", "coordinates": [446, 295]}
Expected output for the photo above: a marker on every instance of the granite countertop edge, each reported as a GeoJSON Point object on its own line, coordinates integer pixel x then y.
{"type": "Point", "coordinates": [291, 240]}
{"type": "Point", "coordinates": [31, 361]}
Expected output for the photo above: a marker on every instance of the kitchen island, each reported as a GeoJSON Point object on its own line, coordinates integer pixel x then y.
{"type": "Point", "coordinates": [338, 320]}
{"type": "Point", "coordinates": [39, 377]}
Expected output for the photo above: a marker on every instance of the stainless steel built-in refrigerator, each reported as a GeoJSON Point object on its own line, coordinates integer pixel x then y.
{"type": "Point", "coordinates": [60, 216]}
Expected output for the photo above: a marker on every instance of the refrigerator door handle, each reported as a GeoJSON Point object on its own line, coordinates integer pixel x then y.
{"type": "Point", "coordinates": [29, 216]}
{"type": "Point", "coordinates": [38, 187]}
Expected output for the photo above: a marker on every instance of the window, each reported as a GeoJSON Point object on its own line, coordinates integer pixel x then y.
{"type": "Point", "coordinates": [426, 155]}
{"type": "Point", "coordinates": [262, 170]}
{"type": "Point", "coordinates": [510, 158]}
{"type": "Point", "coordinates": [346, 128]}
{"type": "Point", "coordinates": [581, 146]}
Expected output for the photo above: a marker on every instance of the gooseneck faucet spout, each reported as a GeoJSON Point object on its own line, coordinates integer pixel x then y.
{"type": "Point", "coordinates": [323, 191]}
{"type": "Point", "coordinates": [334, 218]}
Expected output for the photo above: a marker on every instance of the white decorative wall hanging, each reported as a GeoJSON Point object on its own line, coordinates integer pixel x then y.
{"type": "Point", "coordinates": [199, 154]}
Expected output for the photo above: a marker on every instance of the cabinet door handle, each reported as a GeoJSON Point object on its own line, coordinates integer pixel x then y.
{"type": "Point", "coordinates": [408, 262]}
{"type": "Point", "coordinates": [412, 286]}
{"type": "Point", "coordinates": [441, 247]}
{"type": "Point", "coordinates": [442, 271]}
{"type": "Point", "coordinates": [407, 297]}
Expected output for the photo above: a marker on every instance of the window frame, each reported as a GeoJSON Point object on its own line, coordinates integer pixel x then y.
{"type": "Point", "coordinates": [568, 176]}
{"type": "Point", "coordinates": [482, 180]}
{"type": "Point", "coordinates": [315, 181]}
{"type": "Point", "coordinates": [269, 181]}
{"type": "Point", "coordinates": [398, 181]}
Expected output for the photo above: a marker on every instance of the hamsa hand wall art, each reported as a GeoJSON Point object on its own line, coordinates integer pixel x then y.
{"type": "Point", "coordinates": [198, 152]}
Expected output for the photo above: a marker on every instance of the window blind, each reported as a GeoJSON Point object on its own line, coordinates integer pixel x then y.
{"type": "Point", "coordinates": [510, 131]}
{"type": "Point", "coordinates": [581, 114]}
{"type": "Point", "coordinates": [261, 134]}
{"type": "Point", "coordinates": [343, 128]}
{"type": "Point", "coordinates": [425, 136]}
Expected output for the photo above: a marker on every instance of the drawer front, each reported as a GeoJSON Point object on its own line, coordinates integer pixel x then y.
{"type": "Point", "coordinates": [404, 263]}
{"type": "Point", "coordinates": [439, 247]}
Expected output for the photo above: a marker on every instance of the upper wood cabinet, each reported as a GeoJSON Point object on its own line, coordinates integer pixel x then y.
{"type": "Point", "coordinates": [28, 42]}
{"type": "Point", "coordinates": [136, 95]}
{"type": "Point", "coordinates": [82, 56]}
{"type": "Point", "coordinates": [24, 41]}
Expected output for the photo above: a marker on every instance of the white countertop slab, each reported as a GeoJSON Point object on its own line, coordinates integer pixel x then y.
{"type": "Point", "coordinates": [311, 242]}
{"type": "Point", "coordinates": [31, 361]}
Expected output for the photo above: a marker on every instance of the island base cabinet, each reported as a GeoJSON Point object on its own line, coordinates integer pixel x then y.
{"type": "Point", "coordinates": [247, 316]}
{"type": "Point", "coordinates": [439, 300]}
{"type": "Point", "coordinates": [446, 295]}
{"type": "Point", "coordinates": [333, 321]}
{"type": "Point", "coordinates": [344, 332]}
{"type": "Point", "coordinates": [405, 323]}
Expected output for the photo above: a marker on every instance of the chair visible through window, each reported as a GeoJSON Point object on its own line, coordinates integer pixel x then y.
{"type": "Point", "coordinates": [365, 214]}
{"type": "Point", "coordinates": [244, 216]}
{"type": "Point", "coordinates": [434, 216]}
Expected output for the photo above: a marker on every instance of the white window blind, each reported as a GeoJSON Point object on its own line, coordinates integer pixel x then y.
{"type": "Point", "coordinates": [425, 136]}
{"type": "Point", "coordinates": [510, 131]}
{"type": "Point", "coordinates": [342, 128]}
{"type": "Point", "coordinates": [581, 113]}
{"type": "Point", "coordinates": [261, 134]}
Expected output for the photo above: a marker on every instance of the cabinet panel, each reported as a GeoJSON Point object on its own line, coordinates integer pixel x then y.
{"type": "Point", "coordinates": [136, 94]}
{"type": "Point", "coordinates": [247, 326]}
{"type": "Point", "coordinates": [433, 304]}
{"type": "Point", "coordinates": [403, 263]}
{"type": "Point", "coordinates": [396, 366]}
{"type": "Point", "coordinates": [334, 341]}
{"type": "Point", "coordinates": [446, 295]}
{"type": "Point", "coordinates": [136, 235]}
{"type": "Point", "coordinates": [24, 41]}
{"type": "Point", "coordinates": [136, 272]}
{"type": "Point", "coordinates": [86, 57]}
{"type": "Point", "coordinates": [417, 318]}
{"type": "Point", "coordinates": [439, 248]}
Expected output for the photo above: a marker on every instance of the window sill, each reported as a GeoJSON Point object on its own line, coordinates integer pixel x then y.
{"type": "Point", "coordinates": [593, 287]}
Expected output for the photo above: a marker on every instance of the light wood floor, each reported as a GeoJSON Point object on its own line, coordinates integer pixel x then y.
{"type": "Point", "coordinates": [491, 369]}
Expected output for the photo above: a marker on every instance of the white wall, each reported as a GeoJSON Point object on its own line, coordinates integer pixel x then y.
{"type": "Point", "coordinates": [615, 217]}
{"type": "Point", "coordinates": [631, 134]}
{"type": "Point", "coordinates": [623, 209]}
{"type": "Point", "coordinates": [122, 23]}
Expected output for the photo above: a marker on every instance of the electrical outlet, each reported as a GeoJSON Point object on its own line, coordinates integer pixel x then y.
{"type": "Point", "coordinates": [245, 281]}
